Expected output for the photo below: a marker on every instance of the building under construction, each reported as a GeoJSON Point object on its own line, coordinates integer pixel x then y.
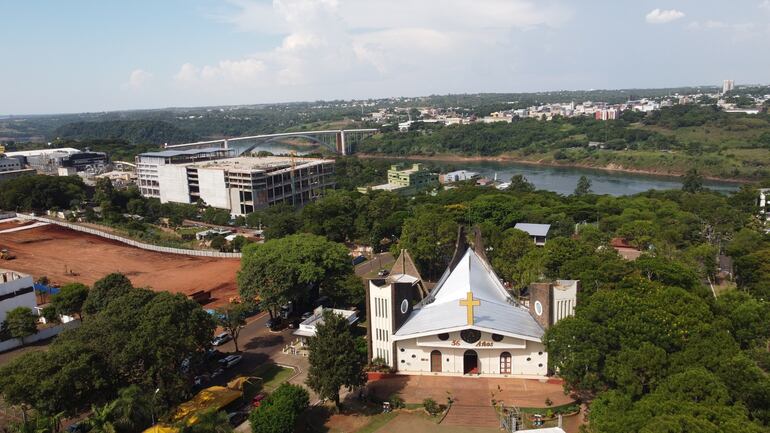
{"type": "Point", "coordinates": [241, 184]}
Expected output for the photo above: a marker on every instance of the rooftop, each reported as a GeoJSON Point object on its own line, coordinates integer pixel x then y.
{"type": "Point", "coordinates": [534, 229]}
{"type": "Point", "coordinates": [172, 153]}
{"type": "Point", "coordinates": [308, 327]}
{"type": "Point", "coordinates": [253, 163]}
{"type": "Point", "coordinates": [38, 152]}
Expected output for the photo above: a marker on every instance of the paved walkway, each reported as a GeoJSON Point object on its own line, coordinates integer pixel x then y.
{"type": "Point", "coordinates": [471, 416]}
{"type": "Point", "coordinates": [471, 391]}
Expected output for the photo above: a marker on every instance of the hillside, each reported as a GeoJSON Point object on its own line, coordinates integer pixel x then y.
{"type": "Point", "coordinates": [131, 131]}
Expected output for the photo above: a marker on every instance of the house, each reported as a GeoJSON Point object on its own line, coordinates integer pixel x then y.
{"type": "Point", "coordinates": [538, 232]}
{"type": "Point", "coordinates": [16, 290]}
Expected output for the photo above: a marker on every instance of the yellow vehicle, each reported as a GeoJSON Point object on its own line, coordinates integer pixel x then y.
{"type": "Point", "coordinates": [6, 255]}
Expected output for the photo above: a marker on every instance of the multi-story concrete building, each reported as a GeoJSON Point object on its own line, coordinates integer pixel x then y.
{"type": "Point", "coordinates": [148, 164]}
{"type": "Point", "coordinates": [16, 290]}
{"type": "Point", "coordinates": [728, 85]}
{"type": "Point", "coordinates": [239, 184]}
{"type": "Point", "coordinates": [405, 179]}
{"type": "Point", "coordinates": [9, 164]}
{"type": "Point", "coordinates": [50, 160]}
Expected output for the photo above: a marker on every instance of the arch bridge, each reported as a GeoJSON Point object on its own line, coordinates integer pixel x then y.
{"type": "Point", "coordinates": [341, 141]}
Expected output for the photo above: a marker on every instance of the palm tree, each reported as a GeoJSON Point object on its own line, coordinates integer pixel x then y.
{"type": "Point", "coordinates": [132, 410]}
{"type": "Point", "coordinates": [100, 420]}
{"type": "Point", "coordinates": [210, 421]}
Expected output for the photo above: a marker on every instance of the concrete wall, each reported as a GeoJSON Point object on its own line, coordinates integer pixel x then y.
{"type": "Point", "coordinates": [213, 188]}
{"type": "Point", "coordinates": [380, 315]}
{"type": "Point", "coordinates": [42, 335]}
{"type": "Point", "coordinates": [173, 184]}
{"type": "Point", "coordinates": [528, 358]}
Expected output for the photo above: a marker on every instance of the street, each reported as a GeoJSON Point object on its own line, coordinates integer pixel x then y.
{"type": "Point", "coordinates": [370, 268]}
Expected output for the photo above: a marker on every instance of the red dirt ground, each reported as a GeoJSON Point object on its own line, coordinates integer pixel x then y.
{"type": "Point", "coordinates": [54, 251]}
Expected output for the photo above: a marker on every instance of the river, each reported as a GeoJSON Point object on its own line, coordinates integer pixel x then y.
{"type": "Point", "coordinates": [558, 179]}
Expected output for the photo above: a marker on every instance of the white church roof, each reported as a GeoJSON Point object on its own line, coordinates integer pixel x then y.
{"type": "Point", "coordinates": [495, 312]}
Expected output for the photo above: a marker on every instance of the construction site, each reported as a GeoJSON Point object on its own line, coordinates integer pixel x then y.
{"type": "Point", "coordinates": [65, 256]}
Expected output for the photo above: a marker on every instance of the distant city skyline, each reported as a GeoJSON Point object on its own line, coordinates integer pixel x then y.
{"type": "Point", "coordinates": [81, 56]}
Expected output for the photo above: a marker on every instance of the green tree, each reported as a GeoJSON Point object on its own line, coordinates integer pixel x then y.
{"type": "Point", "coordinates": [280, 411]}
{"type": "Point", "coordinates": [583, 186]}
{"type": "Point", "coordinates": [210, 421]}
{"type": "Point", "coordinates": [519, 183]}
{"type": "Point", "coordinates": [132, 410]}
{"type": "Point", "coordinates": [430, 238]}
{"type": "Point", "coordinates": [692, 181]}
{"type": "Point", "coordinates": [70, 299]}
{"type": "Point", "coordinates": [21, 323]}
{"type": "Point", "coordinates": [290, 269]}
{"type": "Point", "coordinates": [334, 361]}
{"type": "Point", "coordinates": [232, 318]}
{"type": "Point", "coordinates": [105, 291]}
{"type": "Point", "coordinates": [100, 420]}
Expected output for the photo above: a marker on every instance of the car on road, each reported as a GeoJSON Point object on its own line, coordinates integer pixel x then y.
{"type": "Point", "coordinates": [358, 260]}
{"type": "Point", "coordinates": [230, 360]}
{"type": "Point", "coordinates": [383, 273]}
{"type": "Point", "coordinates": [257, 400]}
{"type": "Point", "coordinates": [218, 372]}
{"type": "Point", "coordinates": [236, 418]}
{"type": "Point", "coordinates": [307, 315]}
{"type": "Point", "coordinates": [294, 324]}
{"type": "Point", "coordinates": [221, 339]}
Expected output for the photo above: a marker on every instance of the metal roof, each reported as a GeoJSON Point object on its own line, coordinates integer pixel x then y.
{"type": "Point", "coordinates": [533, 229]}
{"type": "Point", "coordinates": [496, 312]}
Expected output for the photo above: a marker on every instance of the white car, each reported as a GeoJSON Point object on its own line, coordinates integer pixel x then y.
{"type": "Point", "coordinates": [221, 339]}
{"type": "Point", "coordinates": [231, 360]}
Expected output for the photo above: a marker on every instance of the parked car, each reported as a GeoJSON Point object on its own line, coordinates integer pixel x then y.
{"type": "Point", "coordinates": [236, 418]}
{"type": "Point", "coordinates": [78, 427]}
{"type": "Point", "coordinates": [358, 260]}
{"type": "Point", "coordinates": [273, 323]}
{"type": "Point", "coordinates": [383, 273]}
{"type": "Point", "coordinates": [294, 324]}
{"type": "Point", "coordinates": [323, 301]}
{"type": "Point", "coordinates": [221, 339]}
{"type": "Point", "coordinates": [218, 372]}
{"type": "Point", "coordinates": [307, 315]}
{"type": "Point", "coordinates": [257, 400]}
{"type": "Point", "coordinates": [229, 361]}
{"type": "Point", "coordinates": [287, 309]}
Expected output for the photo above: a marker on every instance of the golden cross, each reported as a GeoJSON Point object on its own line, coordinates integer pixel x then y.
{"type": "Point", "coordinates": [469, 303]}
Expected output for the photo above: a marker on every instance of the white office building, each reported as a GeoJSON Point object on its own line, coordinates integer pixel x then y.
{"type": "Point", "coordinates": [16, 290]}
{"type": "Point", "coordinates": [241, 184]}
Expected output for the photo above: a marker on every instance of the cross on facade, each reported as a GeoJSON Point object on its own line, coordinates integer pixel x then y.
{"type": "Point", "coordinates": [469, 303]}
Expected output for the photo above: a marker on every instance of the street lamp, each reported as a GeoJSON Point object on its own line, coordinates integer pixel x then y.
{"type": "Point", "coordinates": [152, 409]}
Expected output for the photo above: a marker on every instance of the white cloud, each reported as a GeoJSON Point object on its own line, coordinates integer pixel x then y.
{"type": "Point", "coordinates": [325, 43]}
{"type": "Point", "coordinates": [660, 16]}
{"type": "Point", "coordinates": [137, 79]}
{"type": "Point", "coordinates": [765, 5]}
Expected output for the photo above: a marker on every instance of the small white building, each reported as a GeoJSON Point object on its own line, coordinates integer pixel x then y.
{"type": "Point", "coordinates": [309, 326]}
{"type": "Point", "coordinates": [538, 232]}
{"type": "Point", "coordinates": [16, 290]}
{"type": "Point", "coordinates": [458, 176]}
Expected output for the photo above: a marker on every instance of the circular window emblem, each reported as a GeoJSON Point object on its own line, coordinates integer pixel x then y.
{"type": "Point", "coordinates": [538, 308]}
{"type": "Point", "coordinates": [404, 306]}
{"type": "Point", "coordinates": [470, 336]}
{"type": "Point", "coordinates": [443, 336]}
{"type": "Point", "coordinates": [497, 337]}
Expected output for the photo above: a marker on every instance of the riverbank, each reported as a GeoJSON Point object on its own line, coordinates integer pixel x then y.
{"type": "Point", "coordinates": [611, 167]}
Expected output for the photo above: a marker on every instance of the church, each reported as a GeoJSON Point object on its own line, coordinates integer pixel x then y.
{"type": "Point", "coordinates": [467, 324]}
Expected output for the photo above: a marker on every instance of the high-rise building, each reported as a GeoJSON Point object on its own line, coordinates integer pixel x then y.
{"type": "Point", "coordinates": [728, 85]}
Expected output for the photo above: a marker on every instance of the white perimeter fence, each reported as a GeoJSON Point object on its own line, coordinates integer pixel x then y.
{"type": "Point", "coordinates": [131, 242]}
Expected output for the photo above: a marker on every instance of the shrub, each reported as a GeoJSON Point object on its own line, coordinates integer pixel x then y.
{"type": "Point", "coordinates": [431, 406]}
{"type": "Point", "coordinates": [396, 402]}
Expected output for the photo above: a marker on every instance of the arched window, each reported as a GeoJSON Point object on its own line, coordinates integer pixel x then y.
{"type": "Point", "coordinates": [505, 363]}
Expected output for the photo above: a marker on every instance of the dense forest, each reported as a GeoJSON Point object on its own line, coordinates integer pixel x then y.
{"type": "Point", "coordinates": [131, 131]}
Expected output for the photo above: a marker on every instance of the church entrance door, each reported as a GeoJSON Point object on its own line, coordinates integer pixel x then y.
{"type": "Point", "coordinates": [470, 362]}
{"type": "Point", "coordinates": [435, 361]}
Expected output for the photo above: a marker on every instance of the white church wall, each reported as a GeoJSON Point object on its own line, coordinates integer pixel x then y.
{"type": "Point", "coordinates": [413, 355]}
{"type": "Point", "coordinates": [381, 322]}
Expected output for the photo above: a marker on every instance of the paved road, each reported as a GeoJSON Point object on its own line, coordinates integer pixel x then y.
{"type": "Point", "coordinates": [379, 261]}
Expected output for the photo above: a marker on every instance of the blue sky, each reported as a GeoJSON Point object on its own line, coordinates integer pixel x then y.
{"type": "Point", "coordinates": [77, 55]}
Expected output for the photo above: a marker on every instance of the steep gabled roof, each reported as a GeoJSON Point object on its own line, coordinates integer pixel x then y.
{"type": "Point", "coordinates": [404, 265]}
{"type": "Point", "coordinates": [442, 312]}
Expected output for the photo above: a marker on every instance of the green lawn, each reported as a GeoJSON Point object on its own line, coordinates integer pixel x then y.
{"type": "Point", "coordinates": [272, 375]}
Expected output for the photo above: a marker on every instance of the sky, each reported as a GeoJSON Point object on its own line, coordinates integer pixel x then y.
{"type": "Point", "coordinates": [95, 55]}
